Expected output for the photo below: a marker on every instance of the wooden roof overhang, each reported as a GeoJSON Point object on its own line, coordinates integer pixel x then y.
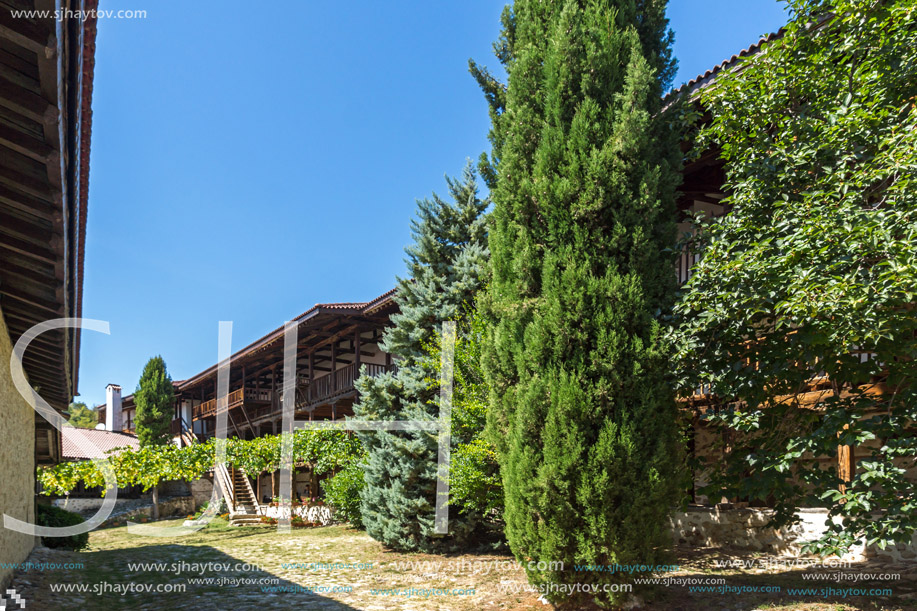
{"type": "Point", "coordinates": [319, 327]}
{"type": "Point", "coordinates": [46, 72]}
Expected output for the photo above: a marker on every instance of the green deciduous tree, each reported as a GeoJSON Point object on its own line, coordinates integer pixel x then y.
{"type": "Point", "coordinates": [447, 264]}
{"type": "Point", "coordinates": [583, 175]}
{"type": "Point", "coordinates": [475, 484]}
{"type": "Point", "coordinates": [82, 416]}
{"type": "Point", "coordinates": [809, 283]}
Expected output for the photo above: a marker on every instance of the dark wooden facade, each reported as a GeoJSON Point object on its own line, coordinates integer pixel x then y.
{"type": "Point", "coordinates": [336, 341]}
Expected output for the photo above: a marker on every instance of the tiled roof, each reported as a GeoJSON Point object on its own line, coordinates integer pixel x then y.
{"type": "Point", "coordinates": [358, 307]}
{"type": "Point", "coordinates": [79, 444]}
{"type": "Point", "coordinates": [702, 80]}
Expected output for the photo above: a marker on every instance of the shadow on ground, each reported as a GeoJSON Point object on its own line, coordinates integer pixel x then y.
{"type": "Point", "coordinates": [163, 577]}
{"type": "Point", "coordinates": [745, 582]}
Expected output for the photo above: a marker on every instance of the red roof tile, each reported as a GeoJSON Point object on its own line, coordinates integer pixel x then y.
{"type": "Point", "coordinates": [702, 80]}
{"type": "Point", "coordinates": [79, 444]}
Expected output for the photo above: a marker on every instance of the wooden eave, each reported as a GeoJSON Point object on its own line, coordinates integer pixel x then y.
{"type": "Point", "coordinates": [46, 70]}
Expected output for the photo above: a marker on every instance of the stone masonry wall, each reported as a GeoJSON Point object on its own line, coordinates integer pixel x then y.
{"type": "Point", "coordinates": [17, 462]}
{"type": "Point", "coordinates": [744, 529]}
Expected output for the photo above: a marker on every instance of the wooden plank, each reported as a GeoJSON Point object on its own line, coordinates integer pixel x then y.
{"type": "Point", "coordinates": [30, 185]}
{"type": "Point", "coordinates": [41, 236]}
{"type": "Point", "coordinates": [32, 300]}
{"type": "Point", "coordinates": [41, 208]}
{"type": "Point", "coordinates": [36, 37]}
{"type": "Point", "coordinates": [25, 144]}
{"type": "Point", "coordinates": [26, 103]}
{"type": "Point", "coordinates": [846, 463]}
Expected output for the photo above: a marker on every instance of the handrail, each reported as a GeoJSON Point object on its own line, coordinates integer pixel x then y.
{"type": "Point", "coordinates": [250, 490]}
{"type": "Point", "coordinates": [221, 478]}
{"type": "Point", "coordinates": [322, 388]}
{"type": "Point", "coordinates": [235, 399]}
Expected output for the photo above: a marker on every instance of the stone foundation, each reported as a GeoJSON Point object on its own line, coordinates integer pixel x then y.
{"type": "Point", "coordinates": [317, 514]}
{"type": "Point", "coordinates": [201, 490]}
{"type": "Point", "coordinates": [126, 509]}
{"type": "Point", "coordinates": [744, 529]}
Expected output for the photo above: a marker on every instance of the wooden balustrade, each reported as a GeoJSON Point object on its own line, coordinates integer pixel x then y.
{"type": "Point", "coordinates": [235, 399]}
{"type": "Point", "coordinates": [321, 389]}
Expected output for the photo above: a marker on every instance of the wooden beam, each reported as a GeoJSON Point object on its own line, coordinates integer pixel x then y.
{"type": "Point", "coordinates": [846, 464]}
{"type": "Point", "coordinates": [25, 144]}
{"type": "Point", "coordinates": [26, 103]}
{"type": "Point", "coordinates": [25, 183]}
{"type": "Point", "coordinates": [36, 37]}
{"type": "Point", "coordinates": [27, 249]}
{"type": "Point", "coordinates": [38, 302]}
{"type": "Point", "coordinates": [29, 204]}
{"type": "Point", "coordinates": [233, 422]}
{"type": "Point", "coordinates": [334, 366]}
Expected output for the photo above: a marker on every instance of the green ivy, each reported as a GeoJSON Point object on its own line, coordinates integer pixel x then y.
{"type": "Point", "coordinates": [814, 271]}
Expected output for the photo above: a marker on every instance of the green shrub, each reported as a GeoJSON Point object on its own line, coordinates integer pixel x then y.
{"type": "Point", "coordinates": [343, 493]}
{"type": "Point", "coordinates": [48, 515]}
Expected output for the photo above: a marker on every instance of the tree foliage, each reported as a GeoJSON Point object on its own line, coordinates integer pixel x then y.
{"type": "Point", "coordinates": [326, 450]}
{"type": "Point", "coordinates": [475, 485]}
{"type": "Point", "coordinates": [81, 416]}
{"type": "Point", "coordinates": [153, 398]}
{"type": "Point", "coordinates": [583, 175]}
{"type": "Point", "coordinates": [342, 492]}
{"type": "Point", "coordinates": [447, 264]}
{"type": "Point", "coordinates": [806, 289]}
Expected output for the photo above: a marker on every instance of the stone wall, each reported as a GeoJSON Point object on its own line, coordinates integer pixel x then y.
{"type": "Point", "coordinates": [744, 529]}
{"type": "Point", "coordinates": [201, 490]}
{"type": "Point", "coordinates": [126, 509]}
{"type": "Point", "coordinates": [17, 462]}
{"type": "Point", "coordinates": [179, 506]}
{"type": "Point", "coordinates": [317, 514]}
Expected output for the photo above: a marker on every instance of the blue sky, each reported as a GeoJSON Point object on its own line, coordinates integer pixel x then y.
{"type": "Point", "coordinates": [248, 164]}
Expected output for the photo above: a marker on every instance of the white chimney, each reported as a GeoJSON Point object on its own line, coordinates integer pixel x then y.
{"type": "Point", "coordinates": [112, 407]}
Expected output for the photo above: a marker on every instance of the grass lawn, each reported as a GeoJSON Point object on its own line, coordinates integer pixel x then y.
{"type": "Point", "coordinates": [341, 568]}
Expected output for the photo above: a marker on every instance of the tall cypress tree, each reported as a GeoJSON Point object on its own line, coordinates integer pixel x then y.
{"type": "Point", "coordinates": [447, 264]}
{"type": "Point", "coordinates": [583, 173]}
{"type": "Point", "coordinates": [153, 398]}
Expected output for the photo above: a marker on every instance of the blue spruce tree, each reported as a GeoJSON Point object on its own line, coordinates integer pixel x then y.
{"type": "Point", "coordinates": [447, 265]}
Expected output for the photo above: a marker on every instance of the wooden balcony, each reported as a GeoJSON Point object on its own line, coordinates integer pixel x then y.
{"type": "Point", "coordinates": [236, 398]}
{"type": "Point", "coordinates": [335, 384]}
{"type": "Point", "coordinates": [321, 390]}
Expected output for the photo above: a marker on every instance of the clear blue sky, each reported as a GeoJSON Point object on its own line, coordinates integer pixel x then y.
{"type": "Point", "coordinates": [249, 163]}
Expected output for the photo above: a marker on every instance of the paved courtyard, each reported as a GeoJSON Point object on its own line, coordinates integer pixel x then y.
{"type": "Point", "coordinates": [340, 568]}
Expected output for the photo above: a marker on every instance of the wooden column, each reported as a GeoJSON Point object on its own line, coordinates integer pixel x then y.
{"type": "Point", "coordinates": [334, 365]}
{"type": "Point", "coordinates": [846, 464]}
{"type": "Point", "coordinates": [273, 388]}
{"type": "Point", "coordinates": [311, 372]}
{"type": "Point", "coordinates": [356, 351]}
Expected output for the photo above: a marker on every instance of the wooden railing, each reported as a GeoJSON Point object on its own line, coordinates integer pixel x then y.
{"type": "Point", "coordinates": [336, 383]}
{"type": "Point", "coordinates": [235, 399]}
{"type": "Point", "coordinates": [321, 389]}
